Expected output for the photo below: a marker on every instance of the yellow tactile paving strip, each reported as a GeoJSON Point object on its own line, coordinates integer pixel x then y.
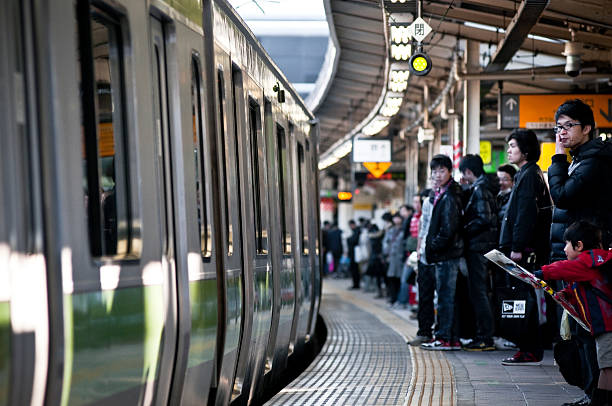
{"type": "Point", "coordinates": [432, 381]}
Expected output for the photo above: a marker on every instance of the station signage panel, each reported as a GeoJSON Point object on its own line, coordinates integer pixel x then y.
{"type": "Point", "coordinates": [369, 150]}
{"type": "Point", "coordinates": [537, 111]}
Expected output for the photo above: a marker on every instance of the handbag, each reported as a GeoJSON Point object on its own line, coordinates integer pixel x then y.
{"type": "Point", "coordinates": [516, 311]}
{"type": "Point", "coordinates": [567, 356]}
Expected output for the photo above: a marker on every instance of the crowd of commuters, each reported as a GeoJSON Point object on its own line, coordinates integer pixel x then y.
{"type": "Point", "coordinates": [559, 228]}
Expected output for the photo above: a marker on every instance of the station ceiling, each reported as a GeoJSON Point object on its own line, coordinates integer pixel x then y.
{"type": "Point", "coordinates": [522, 42]}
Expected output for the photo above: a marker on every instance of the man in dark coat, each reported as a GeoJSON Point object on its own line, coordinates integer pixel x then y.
{"type": "Point", "coordinates": [443, 249]}
{"type": "Point", "coordinates": [581, 190]}
{"type": "Point", "coordinates": [524, 231]}
{"type": "Point", "coordinates": [480, 236]}
{"type": "Point", "coordinates": [353, 241]}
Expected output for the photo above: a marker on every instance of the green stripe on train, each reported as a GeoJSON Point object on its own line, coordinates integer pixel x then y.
{"type": "Point", "coordinates": [113, 339]}
{"type": "Point", "coordinates": [5, 351]}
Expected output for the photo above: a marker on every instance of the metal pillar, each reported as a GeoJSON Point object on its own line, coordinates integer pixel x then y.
{"type": "Point", "coordinates": [412, 168]}
{"type": "Point", "coordinates": [471, 102]}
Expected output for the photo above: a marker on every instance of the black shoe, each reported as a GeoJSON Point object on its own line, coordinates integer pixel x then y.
{"type": "Point", "coordinates": [583, 401]}
{"type": "Point", "coordinates": [479, 345]}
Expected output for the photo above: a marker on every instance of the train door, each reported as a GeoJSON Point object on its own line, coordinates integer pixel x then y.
{"type": "Point", "coordinates": [24, 331]}
{"type": "Point", "coordinates": [199, 370]}
{"type": "Point", "coordinates": [166, 159]}
{"type": "Point", "coordinates": [255, 148]}
{"type": "Point", "coordinates": [302, 182]}
{"type": "Point", "coordinates": [279, 158]}
{"type": "Point", "coordinates": [232, 298]}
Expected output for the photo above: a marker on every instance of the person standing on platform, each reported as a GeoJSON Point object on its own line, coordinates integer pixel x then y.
{"type": "Point", "coordinates": [524, 231]}
{"type": "Point", "coordinates": [588, 264]}
{"type": "Point", "coordinates": [426, 276]}
{"type": "Point", "coordinates": [505, 174]}
{"type": "Point", "coordinates": [581, 190]}
{"type": "Point", "coordinates": [334, 245]}
{"type": "Point", "coordinates": [444, 248]}
{"type": "Point", "coordinates": [480, 236]}
{"type": "Point", "coordinates": [393, 247]}
{"type": "Point", "coordinates": [353, 241]}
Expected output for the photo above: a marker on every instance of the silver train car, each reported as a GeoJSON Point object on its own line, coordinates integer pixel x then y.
{"type": "Point", "coordinates": [159, 238]}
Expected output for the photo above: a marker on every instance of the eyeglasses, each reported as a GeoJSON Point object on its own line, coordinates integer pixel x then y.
{"type": "Point", "coordinates": [566, 127]}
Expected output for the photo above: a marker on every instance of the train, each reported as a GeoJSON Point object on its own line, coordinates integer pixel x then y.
{"type": "Point", "coordinates": [159, 219]}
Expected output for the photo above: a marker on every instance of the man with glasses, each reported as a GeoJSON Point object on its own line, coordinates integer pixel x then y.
{"type": "Point", "coordinates": [581, 190]}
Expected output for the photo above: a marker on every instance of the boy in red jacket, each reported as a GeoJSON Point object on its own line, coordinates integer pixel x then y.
{"type": "Point", "coordinates": [591, 294]}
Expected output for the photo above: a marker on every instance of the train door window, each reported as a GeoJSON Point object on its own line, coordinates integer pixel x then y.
{"type": "Point", "coordinates": [283, 177]}
{"type": "Point", "coordinates": [226, 158]}
{"type": "Point", "coordinates": [106, 186]}
{"type": "Point", "coordinates": [20, 145]}
{"type": "Point", "coordinates": [196, 114]}
{"type": "Point", "coordinates": [302, 203]}
{"type": "Point", "coordinates": [257, 170]}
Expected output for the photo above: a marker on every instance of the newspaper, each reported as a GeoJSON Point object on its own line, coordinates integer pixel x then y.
{"type": "Point", "coordinates": [521, 273]}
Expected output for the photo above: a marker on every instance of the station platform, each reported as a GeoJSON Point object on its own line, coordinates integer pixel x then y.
{"type": "Point", "coordinates": [366, 361]}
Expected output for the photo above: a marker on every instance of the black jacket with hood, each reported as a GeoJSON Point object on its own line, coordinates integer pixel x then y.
{"type": "Point", "coordinates": [526, 224]}
{"type": "Point", "coordinates": [480, 217]}
{"type": "Point", "coordinates": [581, 190]}
{"type": "Point", "coordinates": [444, 237]}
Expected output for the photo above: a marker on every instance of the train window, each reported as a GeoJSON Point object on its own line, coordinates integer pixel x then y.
{"type": "Point", "coordinates": [283, 176]}
{"type": "Point", "coordinates": [196, 114]}
{"type": "Point", "coordinates": [106, 186]}
{"type": "Point", "coordinates": [257, 175]}
{"type": "Point", "coordinates": [302, 195]}
{"type": "Point", "coordinates": [227, 159]}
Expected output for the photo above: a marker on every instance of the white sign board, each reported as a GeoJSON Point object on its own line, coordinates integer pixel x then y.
{"type": "Point", "coordinates": [368, 150]}
{"type": "Point", "coordinates": [419, 29]}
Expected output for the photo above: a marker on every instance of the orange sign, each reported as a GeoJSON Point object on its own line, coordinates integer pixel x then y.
{"type": "Point", "coordinates": [377, 168]}
{"type": "Point", "coordinates": [537, 111]}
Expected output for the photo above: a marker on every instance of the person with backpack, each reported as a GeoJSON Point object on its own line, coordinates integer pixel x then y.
{"type": "Point", "coordinates": [580, 191]}
{"type": "Point", "coordinates": [587, 267]}
{"type": "Point", "coordinates": [524, 234]}
{"type": "Point", "coordinates": [480, 236]}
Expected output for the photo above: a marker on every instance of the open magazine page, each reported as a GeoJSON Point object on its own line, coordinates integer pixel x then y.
{"type": "Point", "coordinates": [524, 275]}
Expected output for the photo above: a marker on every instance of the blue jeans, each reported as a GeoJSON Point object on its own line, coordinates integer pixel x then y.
{"type": "Point", "coordinates": [403, 293]}
{"type": "Point", "coordinates": [446, 284]}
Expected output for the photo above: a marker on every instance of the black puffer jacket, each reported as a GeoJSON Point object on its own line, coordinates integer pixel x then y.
{"type": "Point", "coordinates": [444, 238]}
{"type": "Point", "coordinates": [526, 224]}
{"type": "Point", "coordinates": [480, 217]}
{"type": "Point", "coordinates": [581, 191]}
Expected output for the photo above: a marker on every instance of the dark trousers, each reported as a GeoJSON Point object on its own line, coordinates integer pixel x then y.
{"type": "Point", "coordinates": [478, 285]}
{"type": "Point", "coordinates": [355, 273]}
{"type": "Point", "coordinates": [393, 289]}
{"type": "Point", "coordinates": [426, 281]}
{"type": "Point", "coordinates": [531, 341]}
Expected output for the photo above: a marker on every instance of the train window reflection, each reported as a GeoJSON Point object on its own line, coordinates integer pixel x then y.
{"type": "Point", "coordinates": [101, 83]}
{"type": "Point", "coordinates": [227, 159]}
{"type": "Point", "coordinates": [302, 204]}
{"type": "Point", "coordinates": [283, 176]}
{"type": "Point", "coordinates": [257, 171]}
{"type": "Point", "coordinates": [196, 113]}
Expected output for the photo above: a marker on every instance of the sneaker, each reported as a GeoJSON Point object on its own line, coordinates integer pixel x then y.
{"type": "Point", "coordinates": [522, 358]}
{"type": "Point", "coordinates": [583, 401]}
{"type": "Point", "coordinates": [439, 345]}
{"type": "Point", "coordinates": [418, 340]}
{"type": "Point", "coordinates": [456, 345]}
{"type": "Point", "coordinates": [479, 345]}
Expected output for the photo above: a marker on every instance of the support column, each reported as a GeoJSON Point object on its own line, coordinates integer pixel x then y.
{"type": "Point", "coordinates": [471, 102]}
{"type": "Point", "coordinates": [412, 168]}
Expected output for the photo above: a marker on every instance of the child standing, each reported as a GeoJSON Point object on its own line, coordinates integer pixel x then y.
{"type": "Point", "coordinates": [591, 294]}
